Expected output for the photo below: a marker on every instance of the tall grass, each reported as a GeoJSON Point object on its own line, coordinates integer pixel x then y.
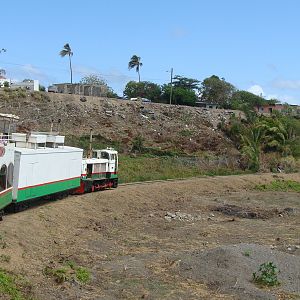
{"type": "Point", "coordinates": [143, 168]}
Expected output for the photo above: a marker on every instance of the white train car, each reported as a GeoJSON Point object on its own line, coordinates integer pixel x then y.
{"type": "Point", "coordinates": [45, 171]}
{"type": "Point", "coordinates": [6, 173]}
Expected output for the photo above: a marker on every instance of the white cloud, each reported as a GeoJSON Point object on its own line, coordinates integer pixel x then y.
{"type": "Point", "coordinates": [286, 84]}
{"type": "Point", "coordinates": [256, 90]}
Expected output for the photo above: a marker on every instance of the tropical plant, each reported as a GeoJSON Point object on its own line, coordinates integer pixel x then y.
{"type": "Point", "coordinates": [67, 51]}
{"type": "Point", "coordinates": [135, 62]}
{"type": "Point", "coordinates": [251, 146]}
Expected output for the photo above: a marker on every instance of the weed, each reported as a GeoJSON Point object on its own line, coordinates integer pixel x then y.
{"type": "Point", "coordinates": [138, 144]}
{"type": "Point", "coordinates": [83, 275]}
{"type": "Point", "coordinates": [8, 286]}
{"type": "Point", "coordinates": [247, 253]}
{"type": "Point", "coordinates": [186, 133]}
{"type": "Point", "coordinates": [266, 275]}
{"type": "Point", "coordinates": [60, 275]}
{"type": "Point", "coordinates": [71, 264]}
{"type": "Point", "coordinates": [3, 244]}
{"type": "Point", "coordinates": [4, 258]}
{"type": "Point", "coordinates": [280, 186]}
{"type": "Point", "coordinates": [69, 272]}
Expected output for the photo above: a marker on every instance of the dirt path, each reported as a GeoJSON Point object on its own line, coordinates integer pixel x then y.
{"type": "Point", "coordinates": [133, 239]}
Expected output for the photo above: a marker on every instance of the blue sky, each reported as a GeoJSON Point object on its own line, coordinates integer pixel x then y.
{"type": "Point", "coordinates": [255, 45]}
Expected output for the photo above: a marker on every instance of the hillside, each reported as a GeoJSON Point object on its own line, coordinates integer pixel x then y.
{"type": "Point", "coordinates": [118, 122]}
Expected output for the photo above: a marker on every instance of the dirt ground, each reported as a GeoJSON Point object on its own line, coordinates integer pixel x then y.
{"type": "Point", "coordinates": [164, 240]}
{"type": "Point", "coordinates": [188, 129]}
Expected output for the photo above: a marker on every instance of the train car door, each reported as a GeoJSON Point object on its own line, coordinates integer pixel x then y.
{"type": "Point", "coordinates": [112, 163]}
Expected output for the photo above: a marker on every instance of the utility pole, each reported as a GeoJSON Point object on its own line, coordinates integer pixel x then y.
{"type": "Point", "coordinates": [171, 93]}
{"type": "Point", "coordinates": [90, 155]}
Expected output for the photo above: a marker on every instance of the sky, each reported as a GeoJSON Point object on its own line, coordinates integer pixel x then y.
{"type": "Point", "coordinates": [255, 45]}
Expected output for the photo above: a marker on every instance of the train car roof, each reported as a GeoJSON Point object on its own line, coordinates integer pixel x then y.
{"type": "Point", "coordinates": [64, 149]}
{"type": "Point", "coordinates": [95, 160]}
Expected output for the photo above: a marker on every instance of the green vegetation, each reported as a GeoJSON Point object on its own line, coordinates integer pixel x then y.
{"type": "Point", "coordinates": [99, 142]}
{"type": "Point", "coordinates": [258, 137]}
{"type": "Point", "coordinates": [68, 272]}
{"type": "Point", "coordinates": [135, 62]}
{"type": "Point", "coordinates": [5, 258]}
{"type": "Point", "coordinates": [83, 275]}
{"type": "Point", "coordinates": [144, 89]}
{"type": "Point", "coordinates": [280, 186]}
{"type": "Point", "coordinates": [10, 286]}
{"type": "Point", "coordinates": [67, 51]}
{"type": "Point", "coordinates": [266, 275]}
{"type": "Point", "coordinates": [216, 90]}
{"type": "Point", "coordinates": [148, 167]}
{"type": "Point", "coordinates": [247, 253]}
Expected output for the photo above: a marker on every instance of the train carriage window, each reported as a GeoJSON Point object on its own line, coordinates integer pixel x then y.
{"type": "Point", "coordinates": [3, 177]}
{"type": "Point", "coordinates": [104, 155]}
{"type": "Point", "coordinates": [10, 173]}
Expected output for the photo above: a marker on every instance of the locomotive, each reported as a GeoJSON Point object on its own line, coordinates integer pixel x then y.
{"type": "Point", "coordinates": [36, 165]}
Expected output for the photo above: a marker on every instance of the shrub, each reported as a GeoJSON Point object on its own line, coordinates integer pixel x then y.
{"type": "Point", "coordinates": [266, 275]}
{"type": "Point", "coordinates": [83, 275]}
{"type": "Point", "coordinates": [138, 144]}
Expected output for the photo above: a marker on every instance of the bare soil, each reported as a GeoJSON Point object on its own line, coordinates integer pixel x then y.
{"type": "Point", "coordinates": [184, 128]}
{"type": "Point", "coordinates": [161, 240]}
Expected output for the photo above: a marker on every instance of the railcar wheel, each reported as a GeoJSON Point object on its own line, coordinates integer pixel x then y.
{"type": "Point", "coordinates": [115, 183]}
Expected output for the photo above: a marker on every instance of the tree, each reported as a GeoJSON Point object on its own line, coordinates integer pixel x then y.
{"type": "Point", "coordinates": [216, 90]}
{"type": "Point", "coordinates": [135, 62]}
{"type": "Point", "coordinates": [186, 83]}
{"type": "Point", "coordinates": [93, 79]}
{"type": "Point", "coordinates": [67, 51]}
{"type": "Point", "coordinates": [181, 96]}
{"type": "Point", "coordinates": [42, 88]}
{"type": "Point", "coordinates": [143, 89]}
{"type": "Point", "coordinates": [243, 99]}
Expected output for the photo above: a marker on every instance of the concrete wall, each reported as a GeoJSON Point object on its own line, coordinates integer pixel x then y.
{"type": "Point", "coordinates": [30, 86]}
{"type": "Point", "coordinates": [82, 89]}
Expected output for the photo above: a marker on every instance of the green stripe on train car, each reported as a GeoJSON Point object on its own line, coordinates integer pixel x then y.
{"type": "Point", "coordinates": [5, 199]}
{"type": "Point", "coordinates": [47, 189]}
{"type": "Point", "coordinates": [98, 176]}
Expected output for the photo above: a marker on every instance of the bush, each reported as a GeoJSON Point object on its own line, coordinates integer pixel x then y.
{"type": "Point", "coordinates": [138, 144]}
{"type": "Point", "coordinates": [266, 275]}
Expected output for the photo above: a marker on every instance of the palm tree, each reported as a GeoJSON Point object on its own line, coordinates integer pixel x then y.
{"type": "Point", "coordinates": [135, 62]}
{"type": "Point", "coordinates": [67, 51]}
